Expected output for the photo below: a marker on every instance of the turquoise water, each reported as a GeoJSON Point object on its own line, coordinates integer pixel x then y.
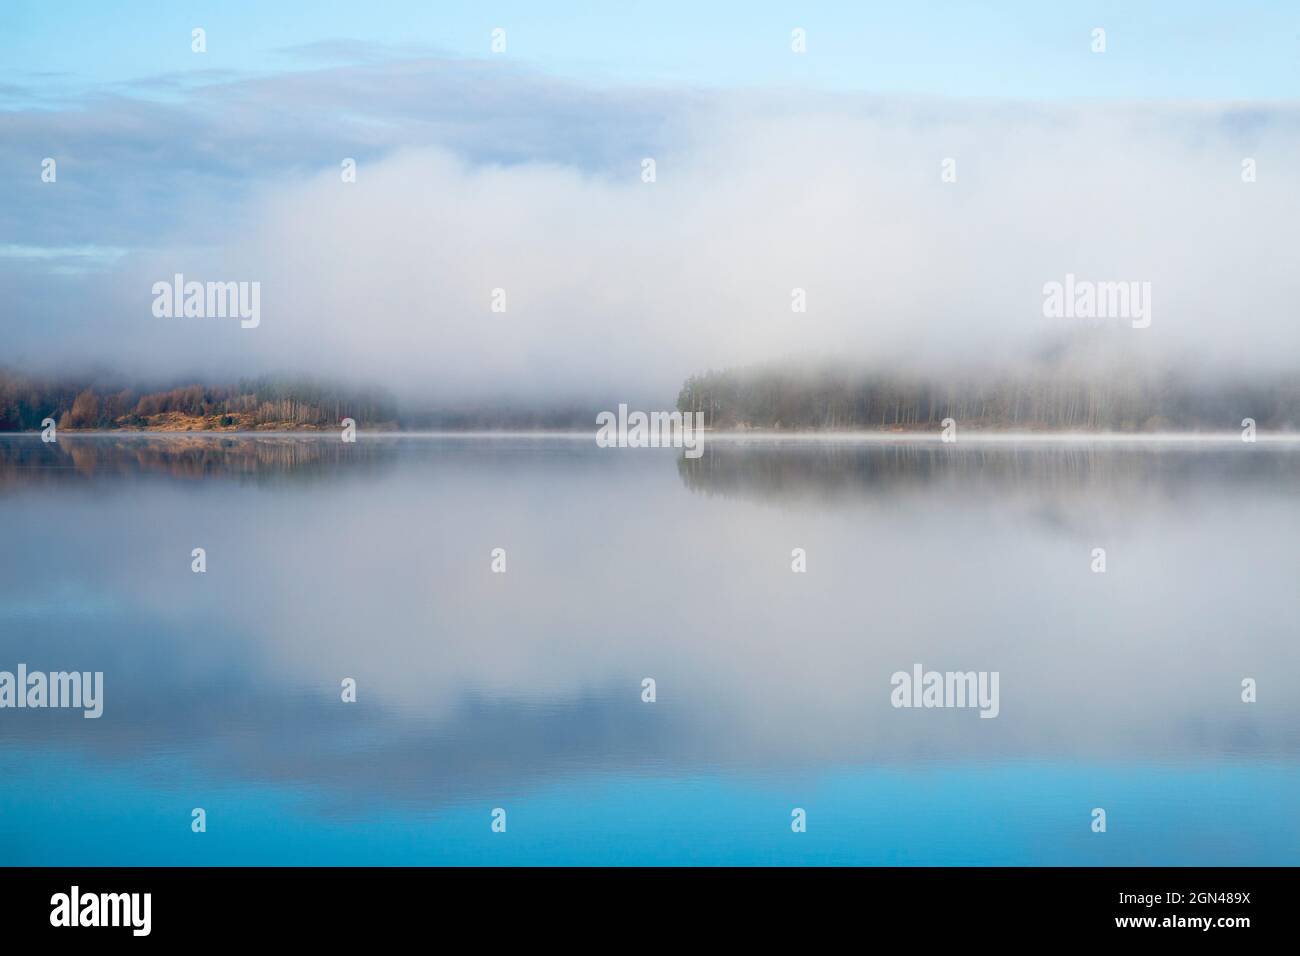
{"type": "Point", "coordinates": [522, 690]}
{"type": "Point", "coordinates": [1000, 816]}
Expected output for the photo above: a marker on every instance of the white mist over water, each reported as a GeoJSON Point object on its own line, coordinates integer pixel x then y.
{"type": "Point", "coordinates": [620, 288]}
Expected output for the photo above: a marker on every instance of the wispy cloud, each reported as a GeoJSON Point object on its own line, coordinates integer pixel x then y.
{"type": "Point", "coordinates": [340, 50]}
{"type": "Point", "coordinates": [65, 260]}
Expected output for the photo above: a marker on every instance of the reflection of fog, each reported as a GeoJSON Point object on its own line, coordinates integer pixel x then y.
{"type": "Point", "coordinates": [472, 682]}
{"type": "Point", "coordinates": [259, 725]}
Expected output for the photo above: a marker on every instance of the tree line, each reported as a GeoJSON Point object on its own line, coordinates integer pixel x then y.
{"type": "Point", "coordinates": [1027, 398]}
{"type": "Point", "coordinates": [26, 401]}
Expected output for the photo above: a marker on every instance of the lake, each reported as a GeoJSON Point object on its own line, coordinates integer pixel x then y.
{"type": "Point", "coordinates": [522, 690]}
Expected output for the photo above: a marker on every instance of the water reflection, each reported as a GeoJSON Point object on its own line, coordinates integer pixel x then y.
{"type": "Point", "coordinates": [627, 564]}
{"type": "Point", "coordinates": [78, 457]}
{"type": "Point", "coordinates": [834, 472]}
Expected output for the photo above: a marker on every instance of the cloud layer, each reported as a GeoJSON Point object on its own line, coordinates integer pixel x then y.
{"type": "Point", "coordinates": [471, 180]}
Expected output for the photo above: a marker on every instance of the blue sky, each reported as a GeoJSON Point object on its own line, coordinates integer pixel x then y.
{"type": "Point", "coordinates": [1016, 48]}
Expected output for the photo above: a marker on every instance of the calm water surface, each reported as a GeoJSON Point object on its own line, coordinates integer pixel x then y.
{"type": "Point", "coordinates": [523, 690]}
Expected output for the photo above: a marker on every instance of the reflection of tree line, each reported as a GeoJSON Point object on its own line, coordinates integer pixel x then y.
{"type": "Point", "coordinates": [838, 470]}
{"type": "Point", "coordinates": [183, 456]}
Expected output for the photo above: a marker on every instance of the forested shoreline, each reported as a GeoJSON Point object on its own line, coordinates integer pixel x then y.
{"type": "Point", "coordinates": [770, 397]}
{"type": "Point", "coordinates": [265, 403]}
{"type": "Point", "coordinates": [773, 397]}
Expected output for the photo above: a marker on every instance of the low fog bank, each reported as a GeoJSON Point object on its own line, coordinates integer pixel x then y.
{"type": "Point", "coordinates": [1054, 394]}
{"type": "Point", "coordinates": [1080, 384]}
{"type": "Point", "coordinates": [895, 235]}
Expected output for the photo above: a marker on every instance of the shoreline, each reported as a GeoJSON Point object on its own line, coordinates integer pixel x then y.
{"type": "Point", "coordinates": [756, 435]}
